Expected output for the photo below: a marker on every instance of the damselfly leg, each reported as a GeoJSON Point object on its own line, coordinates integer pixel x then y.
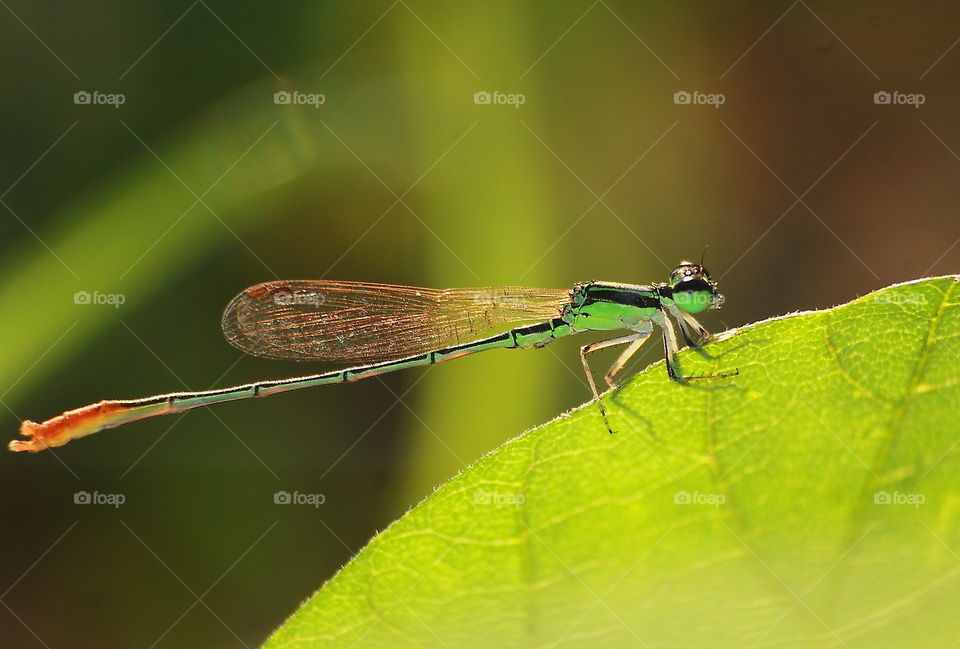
{"type": "Point", "coordinates": [628, 353]}
{"type": "Point", "coordinates": [670, 348]}
{"type": "Point", "coordinates": [603, 344]}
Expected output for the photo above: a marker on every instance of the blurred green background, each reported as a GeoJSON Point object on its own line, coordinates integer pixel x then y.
{"type": "Point", "coordinates": [807, 191]}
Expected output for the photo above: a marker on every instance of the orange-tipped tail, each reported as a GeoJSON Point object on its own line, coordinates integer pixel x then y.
{"type": "Point", "coordinates": [81, 422]}
{"type": "Point", "coordinates": [37, 441]}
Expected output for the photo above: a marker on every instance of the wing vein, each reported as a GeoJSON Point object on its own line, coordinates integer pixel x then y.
{"type": "Point", "coordinates": [321, 320]}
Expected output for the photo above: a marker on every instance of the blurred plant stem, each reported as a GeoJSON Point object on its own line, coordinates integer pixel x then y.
{"type": "Point", "coordinates": [188, 194]}
{"type": "Point", "coordinates": [481, 235]}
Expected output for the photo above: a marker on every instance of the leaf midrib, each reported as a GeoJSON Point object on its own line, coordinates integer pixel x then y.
{"type": "Point", "coordinates": [858, 516]}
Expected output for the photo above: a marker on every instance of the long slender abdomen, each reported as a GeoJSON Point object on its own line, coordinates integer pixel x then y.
{"type": "Point", "coordinates": [81, 422]}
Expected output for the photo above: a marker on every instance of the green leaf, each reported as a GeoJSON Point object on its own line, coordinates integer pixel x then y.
{"type": "Point", "coordinates": [811, 501]}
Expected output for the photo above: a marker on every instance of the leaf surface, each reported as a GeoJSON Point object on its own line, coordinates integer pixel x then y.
{"type": "Point", "coordinates": [811, 501]}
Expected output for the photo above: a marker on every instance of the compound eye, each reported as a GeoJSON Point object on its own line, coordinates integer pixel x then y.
{"type": "Point", "coordinates": [693, 301]}
{"type": "Point", "coordinates": [694, 294]}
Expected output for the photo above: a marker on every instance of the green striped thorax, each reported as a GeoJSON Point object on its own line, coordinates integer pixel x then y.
{"type": "Point", "coordinates": [610, 305]}
{"type": "Point", "coordinates": [692, 289]}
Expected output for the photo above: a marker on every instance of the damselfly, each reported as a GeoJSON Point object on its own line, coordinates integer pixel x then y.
{"type": "Point", "coordinates": [395, 327]}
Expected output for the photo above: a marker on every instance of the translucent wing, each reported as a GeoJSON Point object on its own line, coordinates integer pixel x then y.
{"type": "Point", "coordinates": [314, 320]}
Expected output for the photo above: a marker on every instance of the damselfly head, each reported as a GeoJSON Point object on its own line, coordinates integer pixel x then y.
{"type": "Point", "coordinates": [693, 290]}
